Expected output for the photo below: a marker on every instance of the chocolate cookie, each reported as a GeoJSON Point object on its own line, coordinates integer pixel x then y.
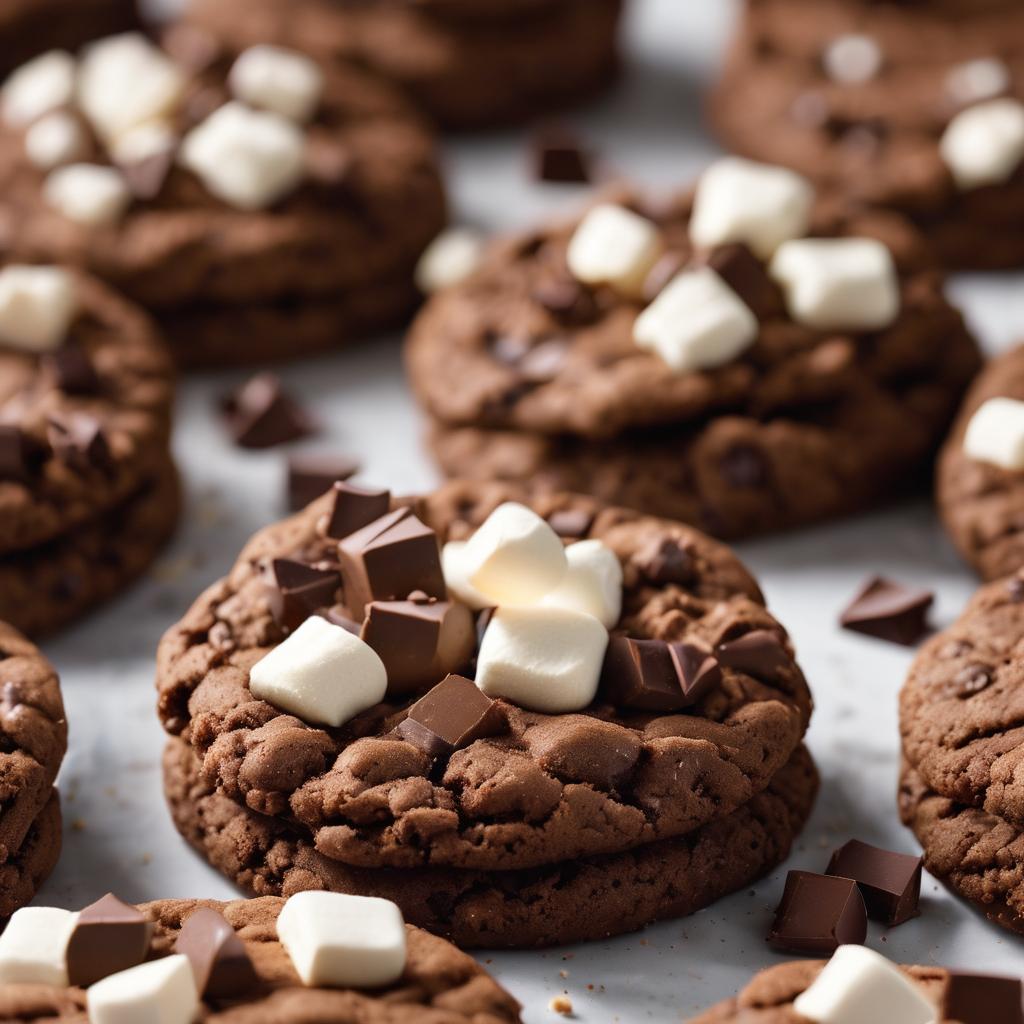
{"type": "Point", "coordinates": [476, 909]}
{"type": "Point", "coordinates": [31, 864]}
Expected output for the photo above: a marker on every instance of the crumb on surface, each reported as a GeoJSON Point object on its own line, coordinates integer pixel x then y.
{"type": "Point", "coordinates": [561, 1004]}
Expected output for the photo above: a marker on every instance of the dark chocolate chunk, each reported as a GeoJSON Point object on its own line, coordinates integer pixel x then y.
{"type": "Point", "coordinates": [667, 561]}
{"type": "Point", "coordinates": [569, 302]}
{"type": "Point", "coordinates": [146, 177]}
{"type": "Point", "coordinates": [641, 674]}
{"type": "Point", "coordinates": [110, 936]}
{"type": "Point", "coordinates": [21, 455]}
{"type": "Point", "coordinates": [744, 273]}
{"type": "Point", "coordinates": [72, 371]}
{"type": "Point", "coordinates": [571, 523]}
{"type": "Point", "coordinates": [337, 615]}
{"type": "Point", "coordinates": [261, 415]}
{"type": "Point", "coordinates": [698, 670]}
{"type": "Point", "coordinates": [452, 715]}
{"type": "Point", "coordinates": [353, 508]}
{"type": "Point", "coordinates": [313, 474]}
{"type": "Point", "coordinates": [79, 441]}
{"type": "Point", "coordinates": [971, 679]}
{"type": "Point", "coordinates": [559, 157]}
{"type": "Point", "coordinates": [818, 914]}
{"type": "Point", "coordinates": [759, 653]}
{"type": "Point", "coordinates": [297, 590]}
{"type": "Point", "coordinates": [218, 957]}
{"type": "Point", "coordinates": [981, 999]}
{"type": "Point", "coordinates": [889, 611]}
{"type": "Point", "coordinates": [889, 882]}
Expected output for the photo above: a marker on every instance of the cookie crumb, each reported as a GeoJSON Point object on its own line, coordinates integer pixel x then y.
{"type": "Point", "coordinates": [562, 1005]}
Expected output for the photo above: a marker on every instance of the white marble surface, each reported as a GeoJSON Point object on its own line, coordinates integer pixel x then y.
{"type": "Point", "coordinates": [118, 834]}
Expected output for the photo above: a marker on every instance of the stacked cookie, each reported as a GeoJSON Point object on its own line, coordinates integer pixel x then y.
{"type": "Point", "coordinates": [625, 735]}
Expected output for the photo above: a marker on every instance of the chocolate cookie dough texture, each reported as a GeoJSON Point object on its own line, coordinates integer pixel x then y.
{"type": "Point", "coordinates": [262, 206]}
{"type": "Point", "coordinates": [88, 491]}
{"type": "Point", "coordinates": [746, 358]}
{"type": "Point", "coordinates": [470, 65]}
{"type": "Point", "coordinates": [544, 705]}
{"type": "Point", "coordinates": [915, 108]}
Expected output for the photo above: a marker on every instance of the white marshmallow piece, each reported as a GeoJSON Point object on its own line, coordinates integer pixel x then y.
{"type": "Point", "coordinates": [515, 557]}
{"type": "Point", "coordinates": [697, 322]}
{"type": "Point", "coordinates": [454, 568]}
{"type": "Point", "coordinates": [592, 584]}
{"type": "Point", "coordinates": [158, 992]}
{"type": "Point", "coordinates": [37, 305]}
{"type": "Point", "coordinates": [343, 941]}
{"type": "Point", "coordinates": [449, 260]}
{"type": "Point", "coordinates": [43, 84]}
{"type": "Point", "coordinates": [88, 194]}
{"type": "Point", "coordinates": [984, 144]}
{"type": "Point", "coordinates": [140, 143]}
{"type": "Point", "coordinates": [273, 78]}
{"type": "Point", "coordinates": [852, 59]}
{"type": "Point", "coordinates": [995, 433]}
{"type": "Point", "coordinates": [759, 205]}
{"type": "Point", "coordinates": [33, 947]}
{"type": "Point", "coordinates": [976, 80]}
{"type": "Point", "coordinates": [247, 158]}
{"type": "Point", "coordinates": [55, 139]}
{"type": "Point", "coordinates": [543, 659]}
{"type": "Point", "coordinates": [858, 986]}
{"type": "Point", "coordinates": [321, 673]}
{"type": "Point", "coordinates": [614, 246]}
{"type": "Point", "coordinates": [838, 284]}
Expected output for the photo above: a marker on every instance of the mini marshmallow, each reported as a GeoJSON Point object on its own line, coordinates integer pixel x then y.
{"type": "Point", "coordinates": [697, 322]}
{"type": "Point", "coordinates": [741, 201]}
{"type": "Point", "coordinates": [614, 246]}
{"type": "Point", "coordinates": [247, 158]}
{"type": "Point", "coordinates": [273, 78]}
{"type": "Point", "coordinates": [37, 305]}
{"type": "Point", "coordinates": [55, 139]}
{"type": "Point", "coordinates": [976, 80]}
{"type": "Point", "coordinates": [335, 940]}
{"type": "Point", "coordinates": [158, 992]}
{"type": "Point", "coordinates": [322, 673]}
{"type": "Point", "coordinates": [996, 433]}
{"type": "Point", "coordinates": [852, 59]}
{"type": "Point", "coordinates": [449, 260]}
{"type": "Point", "coordinates": [43, 84]}
{"type": "Point", "coordinates": [859, 985]}
{"type": "Point", "coordinates": [543, 659]}
{"type": "Point", "coordinates": [838, 284]}
{"type": "Point", "coordinates": [515, 557]}
{"type": "Point", "coordinates": [984, 144]}
{"type": "Point", "coordinates": [454, 569]}
{"type": "Point", "coordinates": [592, 583]}
{"type": "Point", "coordinates": [33, 947]}
{"type": "Point", "coordinates": [88, 193]}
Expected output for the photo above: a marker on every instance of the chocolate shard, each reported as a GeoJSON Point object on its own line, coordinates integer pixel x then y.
{"type": "Point", "coordinates": [981, 999]}
{"type": "Point", "coordinates": [818, 914]}
{"type": "Point", "coordinates": [352, 508]}
{"type": "Point", "coordinates": [297, 590]}
{"type": "Point", "coordinates": [79, 441]}
{"type": "Point", "coordinates": [889, 882]}
{"type": "Point", "coordinates": [697, 668]}
{"type": "Point", "coordinates": [666, 561]}
{"type": "Point", "coordinates": [889, 611]}
{"type": "Point", "coordinates": [110, 936]}
{"type": "Point", "coordinates": [559, 157]}
{"type": "Point", "coordinates": [315, 473]}
{"type": "Point", "coordinates": [571, 524]}
{"type": "Point", "coordinates": [218, 957]}
{"type": "Point", "coordinates": [744, 273]}
{"type": "Point", "coordinates": [760, 653]}
{"type": "Point", "coordinates": [260, 414]}
{"type": "Point", "coordinates": [641, 675]}
{"type": "Point", "coordinates": [21, 455]}
{"type": "Point", "coordinates": [72, 371]}
{"type": "Point", "coordinates": [454, 714]}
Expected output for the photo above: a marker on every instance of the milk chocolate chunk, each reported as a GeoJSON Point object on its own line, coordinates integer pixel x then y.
{"type": "Point", "coordinates": [313, 474]}
{"type": "Point", "coordinates": [260, 414]}
{"type": "Point", "coordinates": [889, 882]}
{"type": "Point", "coordinates": [981, 999]}
{"type": "Point", "coordinates": [220, 963]}
{"type": "Point", "coordinates": [79, 441]}
{"type": "Point", "coordinates": [567, 300]}
{"type": "Point", "coordinates": [641, 674]}
{"type": "Point", "coordinates": [353, 508]}
{"type": "Point", "coordinates": [71, 370]}
{"type": "Point", "coordinates": [889, 611]}
{"type": "Point", "coordinates": [21, 455]}
{"type": "Point", "coordinates": [110, 936]}
{"type": "Point", "coordinates": [667, 561]}
{"type": "Point", "coordinates": [452, 715]}
{"type": "Point", "coordinates": [297, 590]}
{"type": "Point", "coordinates": [759, 653]}
{"type": "Point", "coordinates": [559, 157]}
{"type": "Point", "coordinates": [818, 914]}
{"type": "Point", "coordinates": [747, 277]}
{"type": "Point", "coordinates": [697, 668]}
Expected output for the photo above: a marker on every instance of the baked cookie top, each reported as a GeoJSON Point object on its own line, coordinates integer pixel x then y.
{"type": "Point", "coordinates": [584, 772]}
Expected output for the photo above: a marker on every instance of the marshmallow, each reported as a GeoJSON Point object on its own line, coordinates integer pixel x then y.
{"type": "Point", "coordinates": [454, 569]}
{"type": "Point", "coordinates": [37, 305]}
{"type": "Point", "coordinates": [449, 260]}
{"type": "Point", "coordinates": [697, 322]}
{"type": "Point", "coordinates": [138, 144]}
{"type": "Point", "coordinates": [43, 84]}
{"type": "Point", "coordinates": [592, 583]}
{"type": "Point", "coordinates": [343, 941]}
{"type": "Point", "coordinates": [515, 557]}
{"type": "Point", "coordinates": [859, 985]}
{"type": "Point", "coordinates": [976, 80]}
{"type": "Point", "coordinates": [852, 59]}
{"type": "Point", "coordinates": [55, 139]}
{"type": "Point", "coordinates": [88, 193]}
{"type": "Point", "coordinates": [614, 246]}
{"type": "Point", "coordinates": [34, 945]}
{"type": "Point", "coordinates": [158, 992]}
{"type": "Point", "coordinates": [247, 158]}
{"type": "Point", "coordinates": [996, 433]}
{"type": "Point", "coordinates": [322, 673]}
{"type": "Point", "coordinates": [272, 78]}
{"type": "Point", "coordinates": [741, 201]}
{"type": "Point", "coordinates": [984, 144]}
{"type": "Point", "coordinates": [543, 659]}
{"type": "Point", "coordinates": [838, 284]}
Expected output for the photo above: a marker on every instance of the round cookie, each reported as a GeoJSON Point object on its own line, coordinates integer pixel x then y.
{"type": "Point", "coordinates": [539, 907]}
{"type": "Point", "coordinates": [22, 875]}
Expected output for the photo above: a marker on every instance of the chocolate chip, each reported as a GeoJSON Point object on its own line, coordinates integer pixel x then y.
{"type": "Point", "coordinates": [218, 957]}
{"type": "Point", "coordinates": [641, 675]}
{"type": "Point", "coordinates": [21, 455]}
{"type": "Point", "coordinates": [313, 474]}
{"type": "Point", "coordinates": [889, 882]}
{"type": "Point", "coordinates": [571, 523]}
{"type": "Point", "coordinates": [744, 273]}
{"type": "Point", "coordinates": [454, 714]}
{"type": "Point", "coordinates": [146, 177]}
{"type": "Point", "coordinates": [759, 653]}
{"type": "Point", "coordinates": [79, 441]}
{"type": "Point", "coordinates": [71, 370]}
{"type": "Point", "coordinates": [110, 936]}
{"type": "Point", "coordinates": [568, 301]}
{"type": "Point", "coordinates": [559, 157]}
{"type": "Point", "coordinates": [666, 561]}
{"type": "Point", "coordinates": [744, 466]}
{"type": "Point", "coordinates": [889, 611]}
{"type": "Point", "coordinates": [297, 590]}
{"type": "Point", "coordinates": [971, 679]}
{"type": "Point", "coordinates": [981, 999]}
{"type": "Point", "coordinates": [353, 508]}
{"type": "Point", "coordinates": [698, 670]}
{"type": "Point", "coordinates": [260, 414]}
{"type": "Point", "coordinates": [818, 914]}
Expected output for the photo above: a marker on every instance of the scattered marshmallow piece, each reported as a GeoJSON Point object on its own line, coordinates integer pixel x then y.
{"type": "Point", "coordinates": [343, 941]}
{"type": "Point", "coordinates": [247, 158]}
{"type": "Point", "coordinates": [543, 659]}
{"type": "Point", "coordinates": [88, 193]}
{"type": "Point", "coordinates": [741, 201]}
{"type": "Point", "coordinates": [592, 583]}
{"type": "Point", "coordinates": [697, 322]}
{"type": "Point", "coordinates": [449, 260]}
{"type": "Point", "coordinates": [34, 945]}
{"type": "Point", "coordinates": [273, 78]}
{"type": "Point", "coordinates": [984, 144]}
{"type": "Point", "coordinates": [976, 80]}
{"type": "Point", "coordinates": [852, 59]}
{"type": "Point", "coordinates": [322, 673]}
{"type": "Point", "coordinates": [454, 569]}
{"type": "Point", "coordinates": [838, 284]}
{"type": "Point", "coordinates": [158, 992]}
{"type": "Point", "coordinates": [996, 433]}
{"type": "Point", "coordinates": [614, 246]}
{"type": "Point", "coordinates": [37, 305]}
{"type": "Point", "coordinates": [515, 557]}
{"type": "Point", "coordinates": [859, 985]}
{"type": "Point", "coordinates": [43, 84]}
{"type": "Point", "coordinates": [56, 138]}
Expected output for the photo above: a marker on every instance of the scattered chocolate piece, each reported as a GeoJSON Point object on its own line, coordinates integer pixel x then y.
{"type": "Point", "coordinates": [261, 415]}
{"type": "Point", "coordinates": [559, 157]}
{"type": "Point", "coordinates": [21, 455]}
{"type": "Point", "coordinates": [747, 277]}
{"type": "Point", "coordinates": [353, 508]}
{"type": "Point", "coordinates": [981, 999]}
{"type": "Point", "coordinates": [759, 653]}
{"type": "Point", "coordinates": [571, 524]}
{"type": "Point", "coordinates": [698, 670]}
{"type": "Point", "coordinates": [146, 177]}
{"type": "Point", "coordinates": [641, 674]}
{"type": "Point", "coordinates": [452, 715]}
{"type": "Point", "coordinates": [818, 914]}
{"type": "Point", "coordinates": [889, 611]}
{"type": "Point", "coordinates": [79, 441]}
{"type": "Point", "coordinates": [889, 882]}
{"type": "Point", "coordinates": [568, 301]}
{"type": "Point", "coordinates": [313, 474]}
{"type": "Point", "coordinates": [110, 936]}
{"type": "Point", "coordinates": [71, 370]}
{"type": "Point", "coordinates": [667, 561]}
{"type": "Point", "coordinates": [220, 963]}
{"type": "Point", "coordinates": [297, 590]}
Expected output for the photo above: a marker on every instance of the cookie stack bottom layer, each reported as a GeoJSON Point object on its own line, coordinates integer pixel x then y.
{"type": "Point", "coordinates": [25, 870]}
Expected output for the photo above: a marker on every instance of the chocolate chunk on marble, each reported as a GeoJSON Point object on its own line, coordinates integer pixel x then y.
{"type": "Point", "coordinates": [452, 715]}
{"type": "Point", "coordinates": [220, 963]}
{"type": "Point", "coordinates": [109, 936]}
{"type": "Point", "coordinates": [889, 882]}
{"type": "Point", "coordinates": [352, 508]}
{"type": "Point", "coordinates": [313, 474]}
{"type": "Point", "coordinates": [818, 914]}
{"type": "Point", "coordinates": [889, 611]}
{"type": "Point", "coordinates": [560, 157]}
{"type": "Point", "coordinates": [260, 414]}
